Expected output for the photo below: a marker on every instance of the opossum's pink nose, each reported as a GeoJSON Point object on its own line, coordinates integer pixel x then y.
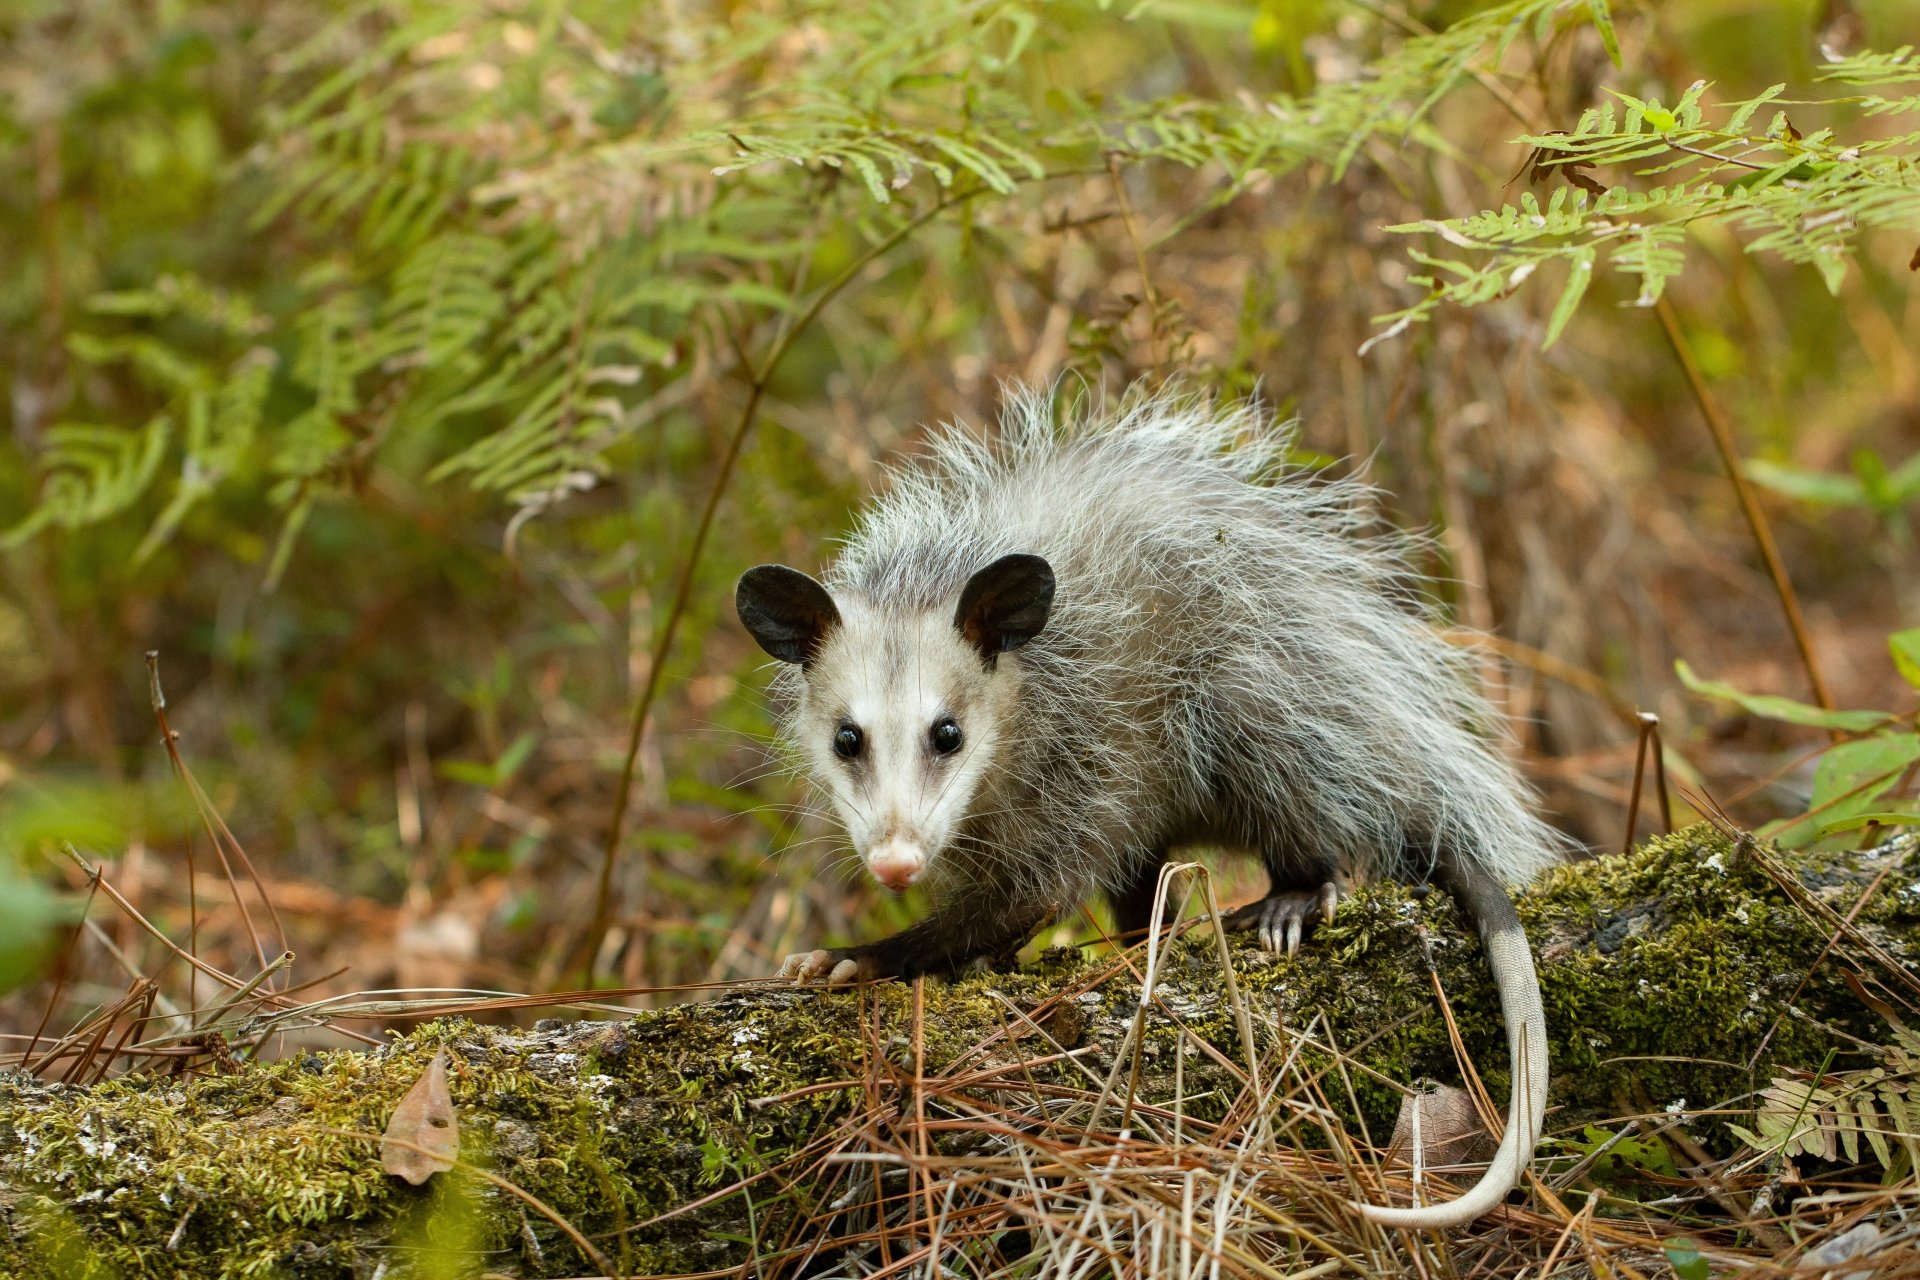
{"type": "Point", "coordinates": [896, 864]}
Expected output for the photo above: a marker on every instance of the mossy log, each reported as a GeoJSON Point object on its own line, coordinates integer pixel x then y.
{"type": "Point", "coordinates": [1664, 972]}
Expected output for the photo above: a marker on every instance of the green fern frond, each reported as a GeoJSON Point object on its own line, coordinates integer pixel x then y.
{"type": "Point", "coordinates": [93, 473]}
{"type": "Point", "coordinates": [1392, 97]}
{"type": "Point", "coordinates": [1901, 66]}
{"type": "Point", "coordinates": [447, 297]}
{"type": "Point", "coordinates": [1806, 199]}
{"type": "Point", "coordinates": [1832, 1117]}
{"type": "Point", "coordinates": [221, 430]}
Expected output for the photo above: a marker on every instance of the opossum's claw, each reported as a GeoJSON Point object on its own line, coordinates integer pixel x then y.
{"type": "Point", "coordinates": [795, 965]}
{"type": "Point", "coordinates": [1282, 919]}
{"type": "Point", "coordinates": [834, 969]}
{"type": "Point", "coordinates": [805, 966]}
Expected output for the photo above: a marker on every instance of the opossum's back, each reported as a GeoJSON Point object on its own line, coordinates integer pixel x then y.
{"type": "Point", "coordinates": [1121, 509]}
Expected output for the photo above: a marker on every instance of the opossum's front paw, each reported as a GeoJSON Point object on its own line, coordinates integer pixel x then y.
{"type": "Point", "coordinates": [1281, 918]}
{"type": "Point", "coordinates": [834, 968]}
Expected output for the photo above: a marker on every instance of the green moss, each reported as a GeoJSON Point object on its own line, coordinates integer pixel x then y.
{"type": "Point", "coordinates": [1663, 972]}
{"type": "Point", "coordinates": [1671, 969]}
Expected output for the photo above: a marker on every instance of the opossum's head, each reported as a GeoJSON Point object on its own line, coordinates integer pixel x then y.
{"type": "Point", "coordinates": [902, 715]}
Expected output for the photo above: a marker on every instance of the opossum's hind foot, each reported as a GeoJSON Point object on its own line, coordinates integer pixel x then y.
{"type": "Point", "coordinates": [1281, 918]}
{"type": "Point", "coordinates": [833, 968]}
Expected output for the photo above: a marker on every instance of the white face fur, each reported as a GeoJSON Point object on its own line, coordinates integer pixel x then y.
{"type": "Point", "coordinates": [900, 720]}
{"type": "Point", "coordinates": [901, 714]}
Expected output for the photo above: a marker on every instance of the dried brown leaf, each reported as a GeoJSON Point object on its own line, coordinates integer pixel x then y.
{"type": "Point", "coordinates": [423, 1137]}
{"type": "Point", "coordinates": [1449, 1125]}
{"type": "Point", "coordinates": [1586, 184]}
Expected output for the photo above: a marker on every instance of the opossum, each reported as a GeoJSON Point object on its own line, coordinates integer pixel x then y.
{"type": "Point", "coordinates": [1041, 663]}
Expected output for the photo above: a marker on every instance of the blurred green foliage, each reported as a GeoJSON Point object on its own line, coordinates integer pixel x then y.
{"type": "Point", "coordinates": [450, 284]}
{"type": "Point", "coordinates": [1887, 492]}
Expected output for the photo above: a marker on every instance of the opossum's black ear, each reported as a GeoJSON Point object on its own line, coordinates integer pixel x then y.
{"type": "Point", "coordinates": [1005, 604]}
{"type": "Point", "coordinates": [786, 611]}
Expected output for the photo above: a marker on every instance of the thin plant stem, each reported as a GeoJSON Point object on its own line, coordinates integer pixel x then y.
{"type": "Point", "coordinates": [1639, 776]}
{"type": "Point", "coordinates": [1749, 504]}
{"type": "Point", "coordinates": [1148, 295]}
{"type": "Point", "coordinates": [1660, 774]}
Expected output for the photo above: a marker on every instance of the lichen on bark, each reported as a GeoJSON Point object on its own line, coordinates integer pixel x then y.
{"type": "Point", "coordinates": [1663, 971]}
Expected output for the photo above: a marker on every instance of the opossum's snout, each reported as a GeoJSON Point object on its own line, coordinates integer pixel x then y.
{"type": "Point", "coordinates": [897, 862]}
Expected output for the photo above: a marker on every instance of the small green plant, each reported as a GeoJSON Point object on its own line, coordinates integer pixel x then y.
{"type": "Point", "coordinates": [1619, 1157]}
{"type": "Point", "coordinates": [1872, 486]}
{"type": "Point", "coordinates": [1686, 1260]}
{"type": "Point", "coordinates": [1865, 778]}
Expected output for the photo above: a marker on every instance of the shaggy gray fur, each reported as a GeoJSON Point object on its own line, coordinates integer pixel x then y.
{"type": "Point", "coordinates": [1233, 657]}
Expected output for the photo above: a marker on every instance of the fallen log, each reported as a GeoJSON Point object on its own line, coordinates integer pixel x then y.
{"type": "Point", "coordinates": [669, 1141]}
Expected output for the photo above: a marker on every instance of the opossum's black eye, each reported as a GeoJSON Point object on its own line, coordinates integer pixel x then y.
{"type": "Point", "coordinates": [848, 741]}
{"type": "Point", "coordinates": [945, 736]}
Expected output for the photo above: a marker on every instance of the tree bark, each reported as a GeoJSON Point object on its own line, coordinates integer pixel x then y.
{"type": "Point", "coordinates": [1664, 972]}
